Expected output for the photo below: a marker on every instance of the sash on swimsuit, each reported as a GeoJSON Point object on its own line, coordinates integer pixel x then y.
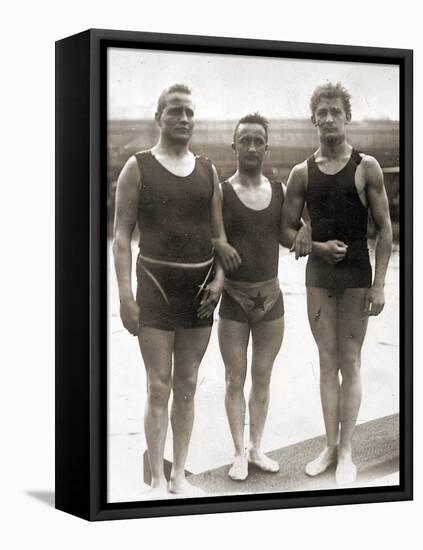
{"type": "Point", "coordinates": [143, 260]}
{"type": "Point", "coordinates": [256, 299]}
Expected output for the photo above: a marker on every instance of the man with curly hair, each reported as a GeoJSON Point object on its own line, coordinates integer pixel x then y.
{"type": "Point", "coordinates": [340, 187]}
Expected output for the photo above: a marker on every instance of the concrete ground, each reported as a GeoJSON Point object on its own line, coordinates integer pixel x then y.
{"type": "Point", "coordinates": [376, 456]}
{"type": "Point", "coordinates": [294, 421]}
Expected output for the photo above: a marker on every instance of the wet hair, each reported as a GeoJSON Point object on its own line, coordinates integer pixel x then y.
{"type": "Point", "coordinates": [253, 118]}
{"type": "Point", "coordinates": [174, 89]}
{"type": "Point", "coordinates": [331, 91]}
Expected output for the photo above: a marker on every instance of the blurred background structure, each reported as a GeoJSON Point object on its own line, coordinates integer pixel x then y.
{"type": "Point", "coordinates": [290, 141]}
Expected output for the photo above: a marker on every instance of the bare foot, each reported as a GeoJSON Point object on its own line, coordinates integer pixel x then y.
{"type": "Point", "coordinates": [263, 462]}
{"type": "Point", "coordinates": [181, 487]}
{"type": "Point", "coordinates": [346, 470]}
{"type": "Point", "coordinates": [325, 459]}
{"type": "Point", "coordinates": [239, 469]}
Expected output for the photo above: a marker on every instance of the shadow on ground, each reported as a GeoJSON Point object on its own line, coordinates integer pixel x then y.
{"type": "Point", "coordinates": [46, 497]}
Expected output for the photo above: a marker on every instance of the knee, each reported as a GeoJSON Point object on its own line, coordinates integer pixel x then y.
{"type": "Point", "coordinates": [261, 381]}
{"type": "Point", "coordinates": [184, 389]}
{"type": "Point", "coordinates": [349, 364]}
{"type": "Point", "coordinates": [328, 362]}
{"type": "Point", "coordinates": [234, 381]}
{"type": "Point", "coordinates": [158, 392]}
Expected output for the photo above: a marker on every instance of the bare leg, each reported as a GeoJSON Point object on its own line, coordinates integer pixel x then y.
{"type": "Point", "coordinates": [233, 342]}
{"type": "Point", "coordinates": [190, 346]}
{"type": "Point", "coordinates": [352, 330]}
{"type": "Point", "coordinates": [322, 315]}
{"type": "Point", "coordinates": [156, 349]}
{"type": "Point", "coordinates": [267, 340]}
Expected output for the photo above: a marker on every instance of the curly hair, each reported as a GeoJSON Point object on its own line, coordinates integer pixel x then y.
{"type": "Point", "coordinates": [330, 91]}
{"type": "Point", "coordinates": [253, 118]}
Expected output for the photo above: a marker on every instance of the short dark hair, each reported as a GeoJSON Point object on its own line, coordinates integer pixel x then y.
{"type": "Point", "coordinates": [330, 91]}
{"type": "Point", "coordinates": [175, 88]}
{"type": "Point", "coordinates": [252, 118]}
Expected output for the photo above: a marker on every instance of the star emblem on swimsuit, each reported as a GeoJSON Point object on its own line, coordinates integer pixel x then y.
{"type": "Point", "coordinates": [258, 301]}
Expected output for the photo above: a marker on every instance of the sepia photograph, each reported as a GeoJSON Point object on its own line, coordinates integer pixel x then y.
{"type": "Point", "coordinates": [253, 275]}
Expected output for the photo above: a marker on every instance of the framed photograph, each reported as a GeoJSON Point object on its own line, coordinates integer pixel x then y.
{"type": "Point", "coordinates": [233, 274]}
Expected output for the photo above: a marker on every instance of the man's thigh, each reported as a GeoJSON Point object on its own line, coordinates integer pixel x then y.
{"type": "Point", "coordinates": [189, 349]}
{"type": "Point", "coordinates": [322, 317]}
{"type": "Point", "coordinates": [267, 340]}
{"type": "Point", "coordinates": [233, 342]}
{"type": "Point", "coordinates": [156, 349]}
{"type": "Point", "coordinates": [352, 320]}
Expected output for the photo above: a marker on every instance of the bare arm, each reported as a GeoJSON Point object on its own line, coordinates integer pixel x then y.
{"type": "Point", "coordinates": [302, 244]}
{"type": "Point", "coordinates": [379, 209]}
{"type": "Point", "coordinates": [127, 196]}
{"type": "Point", "coordinates": [212, 292]}
{"type": "Point", "coordinates": [214, 289]}
{"type": "Point", "coordinates": [228, 255]}
{"type": "Point", "coordinates": [293, 205]}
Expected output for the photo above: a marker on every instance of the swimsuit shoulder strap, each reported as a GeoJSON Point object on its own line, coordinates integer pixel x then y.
{"type": "Point", "coordinates": [207, 164]}
{"type": "Point", "coordinates": [312, 169]}
{"type": "Point", "coordinates": [356, 157]}
{"type": "Point", "coordinates": [278, 191]}
{"type": "Point", "coordinates": [143, 159]}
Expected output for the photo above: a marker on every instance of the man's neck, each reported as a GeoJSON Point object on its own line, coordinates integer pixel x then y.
{"type": "Point", "coordinates": [335, 150]}
{"type": "Point", "coordinates": [171, 149]}
{"type": "Point", "coordinates": [249, 179]}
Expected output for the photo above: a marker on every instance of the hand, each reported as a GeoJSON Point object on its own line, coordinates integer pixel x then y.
{"type": "Point", "coordinates": [302, 244]}
{"type": "Point", "coordinates": [210, 299]}
{"type": "Point", "coordinates": [333, 251]}
{"type": "Point", "coordinates": [228, 256]}
{"type": "Point", "coordinates": [129, 313]}
{"type": "Point", "coordinates": [375, 301]}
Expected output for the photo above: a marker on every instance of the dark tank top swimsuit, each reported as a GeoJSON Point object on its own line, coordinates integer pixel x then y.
{"type": "Point", "coordinates": [336, 212]}
{"type": "Point", "coordinates": [176, 256]}
{"type": "Point", "coordinates": [252, 294]}
{"type": "Point", "coordinates": [254, 234]}
{"type": "Point", "coordinates": [174, 214]}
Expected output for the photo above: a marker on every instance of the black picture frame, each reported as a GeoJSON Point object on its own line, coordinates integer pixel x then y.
{"type": "Point", "coordinates": [81, 280]}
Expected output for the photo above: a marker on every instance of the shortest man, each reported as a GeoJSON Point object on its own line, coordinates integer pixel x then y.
{"type": "Point", "coordinates": [252, 302]}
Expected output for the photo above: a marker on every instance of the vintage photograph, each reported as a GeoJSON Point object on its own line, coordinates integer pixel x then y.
{"type": "Point", "coordinates": [253, 275]}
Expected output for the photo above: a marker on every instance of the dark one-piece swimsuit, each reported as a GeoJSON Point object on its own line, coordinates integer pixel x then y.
{"type": "Point", "coordinates": [336, 212]}
{"type": "Point", "coordinates": [175, 260]}
{"type": "Point", "coordinates": [252, 294]}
